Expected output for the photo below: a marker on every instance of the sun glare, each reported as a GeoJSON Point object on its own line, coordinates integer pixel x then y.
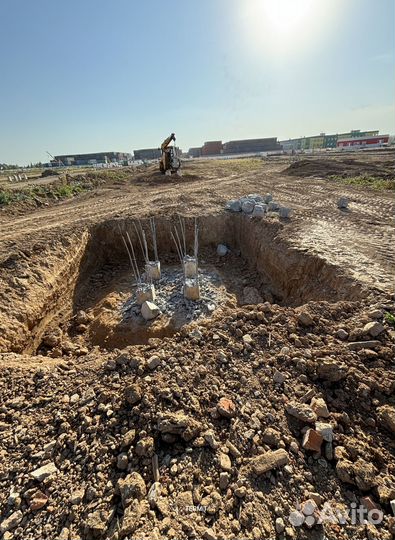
{"type": "Point", "coordinates": [283, 28]}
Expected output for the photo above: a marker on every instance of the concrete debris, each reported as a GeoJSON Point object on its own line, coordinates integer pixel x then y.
{"type": "Point", "coordinates": [259, 206]}
{"type": "Point", "coordinates": [149, 310]}
{"type": "Point", "coordinates": [43, 472]}
{"type": "Point", "coordinates": [222, 250]}
{"type": "Point", "coordinates": [342, 203]}
{"type": "Point", "coordinates": [269, 460]}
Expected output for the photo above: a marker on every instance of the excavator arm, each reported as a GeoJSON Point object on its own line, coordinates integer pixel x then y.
{"type": "Point", "coordinates": [167, 141]}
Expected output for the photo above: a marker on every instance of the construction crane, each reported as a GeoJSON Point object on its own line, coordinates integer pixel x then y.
{"type": "Point", "coordinates": [169, 163]}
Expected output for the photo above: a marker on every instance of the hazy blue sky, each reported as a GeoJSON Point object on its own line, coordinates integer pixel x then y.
{"type": "Point", "coordinates": [96, 75]}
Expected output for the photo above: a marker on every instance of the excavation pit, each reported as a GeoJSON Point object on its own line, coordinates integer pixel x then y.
{"type": "Point", "coordinates": [92, 298]}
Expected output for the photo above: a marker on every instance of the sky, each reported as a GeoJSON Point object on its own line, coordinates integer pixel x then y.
{"type": "Point", "coordinates": [100, 75]}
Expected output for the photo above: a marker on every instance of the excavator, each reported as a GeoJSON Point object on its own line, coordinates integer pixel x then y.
{"type": "Point", "coordinates": [169, 163]}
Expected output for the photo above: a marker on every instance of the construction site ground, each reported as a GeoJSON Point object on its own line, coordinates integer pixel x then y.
{"type": "Point", "coordinates": [209, 431]}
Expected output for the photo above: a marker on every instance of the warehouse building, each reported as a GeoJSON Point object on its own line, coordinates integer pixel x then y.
{"type": "Point", "coordinates": [195, 152]}
{"type": "Point", "coordinates": [212, 148]}
{"type": "Point", "coordinates": [147, 153]}
{"type": "Point", "coordinates": [251, 146]}
{"type": "Point", "coordinates": [92, 159]}
{"type": "Point", "coordinates": [316, 142]}
{"type": "Point", "coordinates": [363, 142]}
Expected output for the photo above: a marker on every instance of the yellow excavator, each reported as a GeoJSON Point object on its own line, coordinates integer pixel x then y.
{"type": "Point", "coordinates": [169, 163]}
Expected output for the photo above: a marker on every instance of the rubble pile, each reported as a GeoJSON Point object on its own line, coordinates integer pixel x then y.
{"type": "Point", "coordinates": [245, 425]}
{"type": "Point", "coordinates": [255, 205]}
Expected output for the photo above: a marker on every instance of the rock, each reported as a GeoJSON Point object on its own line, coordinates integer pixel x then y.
{"type": "Point", "coordinates": [11, 522]}
{"type": "Point", "coordinates": [248, 340]}
{"type": "Point", "coordinates": [225, 462]}
{"type": "Point", "coordinates": [131, 517]}
{"type": "Point", "coordinates": [154, 493]}
{"type": "Point", "coordinates": [342, 334]}
{"type": "Point", "coordinates": [284, 212]}
{"type": "Point", "coordinates": [179, 424]}
{"type": "Point", "coordinates": [248, 206]}
{"type": "Point", "coordinates": [131, 487]}
{"type": "Point", "coordinates": [145, 447]}
{"type": "Point", "coordinates": [357, 345]}
{"type": "Point", "coordinates": [133, 394]}
{"type": "Point", "coordinates": [154, 361]}
{"type": "Point", "coordinates": [342, 203]}
{"type": "Point", "coordinates": [386, 417]}
{"type": "Point", "coordinates": [222, 250]}
{"type": "Point", "coordinates": [278, 377]}
{"type": "Point", "coordinates": [375, 314]}
{"type": "Point", "coordinates": [271, 437]}
{"type": "Point", "coordinates": [128, 438]}
{"type": "Point", "coordinates": [39, 500]}
{"type": "Point", "coordinates": [273, 206]}
{"type": "Point", "coordinates": [223, 480]}
{"type": "Point", "coordinates": [304, 318]}
{"type": "Point", "coordinates": [365, 474]}
{"type": "Point", "coordinates": [233, 206]}
{"type": "Point", "coordinates": [331, 370]}
{"type": "Point", "coordinates": [280, 525]}
{"type": "Point", "coordinates": [44, 471]}
{"type": "Point", "coordinates": [325, 430]}
{"type": "Point", "coordinates": [226, 407]}
{"type": "Point", "coordinates": [269, 460]}
{"type": "Point", "coordinates": [259, 210]}
{"type": "Point", "coordinates": [373, 328]}
{"type": "Point", "coordinates": [149, 310]}
{"type": "Point", "coordinates": [122, 461]}
{"type": "Point", "coordinates": [76, 496]}
{"type": "Point", "coordinates": [319, 407]}
{"type": "Point", "coordinates": [312, 440]}
{"type": "Point", "coordinates": [301, 411]}
{"type": "Point", "coordinates": [251, 296]}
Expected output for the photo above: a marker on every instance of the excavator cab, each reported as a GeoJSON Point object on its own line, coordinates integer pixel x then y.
{"type": "Point", "coordinates": [169, 163]}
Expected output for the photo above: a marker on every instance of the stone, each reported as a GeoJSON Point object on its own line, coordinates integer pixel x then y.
{"type": "Point", "coordinates": [259, 210]}
{"type": "Point", "coordinates": [180, 424]}
{"type": "Point", "coordinates": [248, 340]}
{"type": "Point", "coordinates": [154, 493]}
{"type": "Point", "coordinates": [133, 394]}
{"type": "Point", "coordinates": [312, 440]}
{"type": "Point", "coordinates": [304, 318]}
{"type": "Point", "coordinates": [325, 430]}
{"type": "Point", "coordinates": [226, 407]}
{"type": "Point", "coordinates": [301, 411]}
{"type": "Point", "coordinates": [273, 206]}
{"type": "Point", "coordinates": [131, 487]}
{"type": "Point", "coordinates": [39, 500]}
{"type": "Point", "coordinates": [122, 461]}
{"type": "Point", "coordinates": [374, 329]}
{"type": "Point", "coordinates": [279, 525]}
{"type": "Point", "coordinates": [225, 462]}
{"type": "Point", "coordinates": [233, 206]}
{"type": "Point", "coordinates": [145, 447]}
{"type": "Point", "coordinates": [128, 438]}
{"type": "Point", "coordinates": [11, 522]}
{"type": "Point", "coordinates": [357, 345]}
{"type": "Point", "coordinates": [44, 471]}
{"type": "Point", "coordinates": [209, 534]}
{"type": "Point", "coordinates": [342, 334]}
{"type": "Point", "coordinates": [331, 370]}
{"type": "Point", "coordinates": [284, 212]}
{"type": "Point", "coordinates": [319, 407]}
{"type": "Point", "coordinates": [248, 206]}
{"type": "Point", "coordinates": [223, 480]}
{"type": "Point", "coordinates": [375, 314]}
{"type": "Point", "coordinates": [271, 437]}
{"type": "Point", "coordinates": [386, 417]}
{"type": "Point", "coordinates": [278, 377]}
{"type": "Point", "coordinates": [342, 203]}
{"type": "Point", "coordinates": [154, 361]}
{"type": "Point", "coordinates": [149, 310]}
{"type": "Point", "coordinates": [76, 496]}
{"type": "Point", "coordinates": [222, 250]}
{"type": "Point", "coordinates": [269, 460]}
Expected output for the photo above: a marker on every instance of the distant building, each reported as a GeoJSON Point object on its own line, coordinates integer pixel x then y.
{"type": "Point", "coordinates": [92, 159]}
{"type": "Point", "coordinates": [251, 146]}
{"type": "Point", "coordinates": [363, 142]}
{"type": "Point", "coordinates": [147, 153]}
{"type": "Point", "coordinates": [195, 151]}
{"type": "Point", "coordinates": [316, 142]}
{"type": "Point", "coordinates": [211, 148]}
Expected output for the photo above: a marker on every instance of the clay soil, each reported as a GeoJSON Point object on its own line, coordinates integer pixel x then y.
{"type": "Point", "coordinates": [200, 432]}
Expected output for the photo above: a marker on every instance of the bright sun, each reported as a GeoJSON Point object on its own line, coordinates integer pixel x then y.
{"type": "Point", "coordinates": [285, 27]}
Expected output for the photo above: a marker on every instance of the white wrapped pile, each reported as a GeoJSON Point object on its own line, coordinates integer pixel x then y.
{"type": "Point", "coordinates": [255, 205]}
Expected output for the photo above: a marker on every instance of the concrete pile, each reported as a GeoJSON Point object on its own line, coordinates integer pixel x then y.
{"type": "Point", "coordinates": [255, 205]}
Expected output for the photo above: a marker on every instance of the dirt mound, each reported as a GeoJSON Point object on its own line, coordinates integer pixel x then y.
{"type": "Point", "coordinates": [334, 167]}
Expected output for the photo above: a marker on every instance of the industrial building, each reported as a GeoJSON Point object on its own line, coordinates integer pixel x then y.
{"type": "Point", "coordinates": [251, 146]}
{"type": "Point", "coordinates": [212, 148]}
{"type": "Point", "coordinates": [91, 159]}
{"type": "Point", "coordinates": [195, 152]}
{"type": "Point", "coordinates": [147, 153]}
{"type": "Point", "coordinates": [322, 140]}
{"type": "Point", "coordinates": [363, 142]}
